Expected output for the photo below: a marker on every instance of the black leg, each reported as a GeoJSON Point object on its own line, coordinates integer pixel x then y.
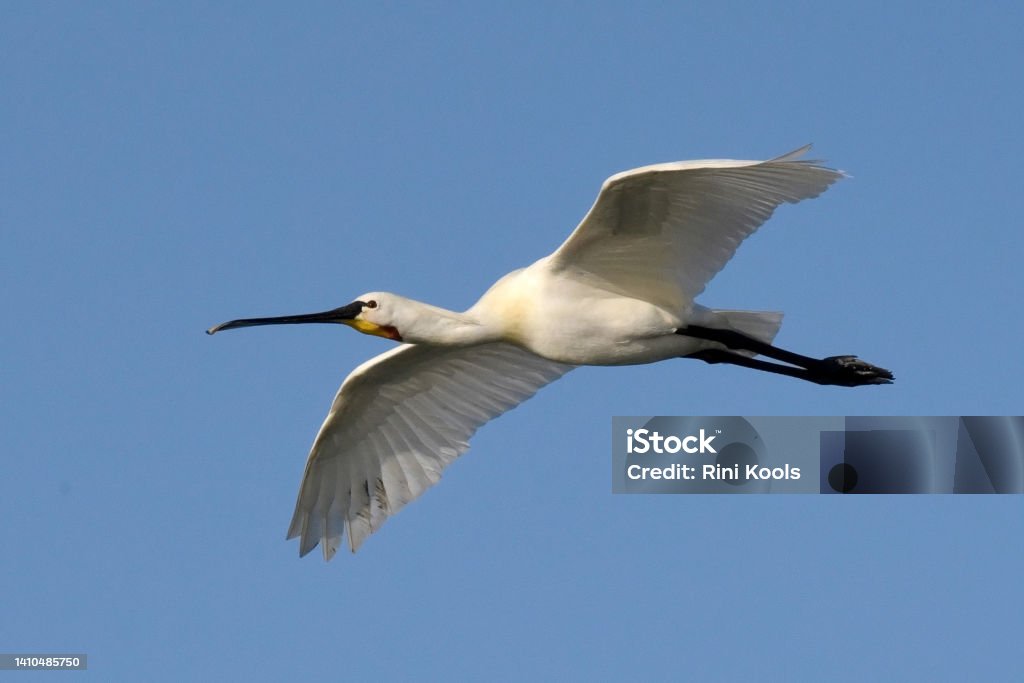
{"type": "Point", "coordinates": [722, 356]}
{"type": "Point", "coordinates": [846, 371]}
{"type": "Point", "coordinates": [741, 342]}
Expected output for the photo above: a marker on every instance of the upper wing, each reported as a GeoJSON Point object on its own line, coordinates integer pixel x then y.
{"type": "Point", "coordinates": [396, 422]}
{"type": "Point", "coordinates": [660, 233]}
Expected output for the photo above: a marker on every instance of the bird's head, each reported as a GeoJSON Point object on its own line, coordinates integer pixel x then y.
{"type": "Point", "coordinates": [379, 315]}
{"type": "Point", "coordinates": [373, 313]}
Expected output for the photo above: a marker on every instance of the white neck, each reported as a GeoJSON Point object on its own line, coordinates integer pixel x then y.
{"type": "Point", "coordinates": [422, 323]}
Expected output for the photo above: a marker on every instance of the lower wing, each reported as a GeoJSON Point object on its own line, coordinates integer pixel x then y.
{"type": "Point", "coordinates": [398, 420]}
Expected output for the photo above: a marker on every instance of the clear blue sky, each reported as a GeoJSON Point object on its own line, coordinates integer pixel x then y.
{"type": "Point", "coordinates": [168, 166]}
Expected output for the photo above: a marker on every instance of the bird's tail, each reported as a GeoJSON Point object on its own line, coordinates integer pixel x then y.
{"type": "Point", "coordinates": [761, 325]}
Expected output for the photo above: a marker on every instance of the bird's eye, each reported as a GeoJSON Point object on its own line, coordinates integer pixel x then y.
{"type": "Point", "coordinates": [371, 304]}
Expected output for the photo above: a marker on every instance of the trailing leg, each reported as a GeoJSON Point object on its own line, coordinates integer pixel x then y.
{"type": "Point", "coordinates": [846, 371]}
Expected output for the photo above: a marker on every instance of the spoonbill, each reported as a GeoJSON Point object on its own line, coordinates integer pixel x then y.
{"type": "Point", "coordinates": [619, 291]}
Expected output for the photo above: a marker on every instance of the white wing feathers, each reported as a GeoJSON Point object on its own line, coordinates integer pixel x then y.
{"type": "Point", "coordinates": [661, 232]}
{"type": "Point", "coordinates": [396, 422]}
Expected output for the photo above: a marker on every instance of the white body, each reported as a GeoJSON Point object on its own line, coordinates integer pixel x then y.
{"type": "Point", "coordinates": [613, 294]}
{"type": "Point", "coordinates": [563, 318]}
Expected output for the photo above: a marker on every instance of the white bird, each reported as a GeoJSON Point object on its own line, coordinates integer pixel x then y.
{"type": "Point", "coordinates": [619, 291]}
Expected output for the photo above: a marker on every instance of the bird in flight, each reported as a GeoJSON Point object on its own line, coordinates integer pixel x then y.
{"type": "Point", "coordinates": [619, 291]}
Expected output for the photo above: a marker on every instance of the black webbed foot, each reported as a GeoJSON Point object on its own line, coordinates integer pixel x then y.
{"type": "Point", "coordinates": [848, 371]}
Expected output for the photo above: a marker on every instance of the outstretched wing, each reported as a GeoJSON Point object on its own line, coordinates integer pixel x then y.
{"type": "Point", "coordinates": [396, 422]}
{"type": "Point", "coordinates": [660, 233]}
